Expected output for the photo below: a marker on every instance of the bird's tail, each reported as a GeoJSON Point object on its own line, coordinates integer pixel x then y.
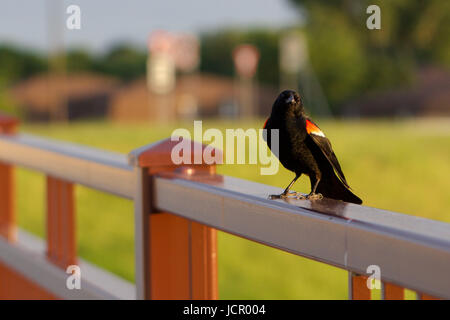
{"type": "Point", "coordinates": [331, 187]}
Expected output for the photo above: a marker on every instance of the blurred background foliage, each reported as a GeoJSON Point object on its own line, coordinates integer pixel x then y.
{"type": "Point", "coordinates": [347, 61]}
{"type": "Point", "coordinates": [413, 33]}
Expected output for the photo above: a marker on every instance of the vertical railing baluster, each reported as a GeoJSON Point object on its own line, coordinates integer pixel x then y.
{"type": "Point", "coordinates": [357, 287]}
{"type": "Point", "coordinates": [61, 242]}
{"type": "Point", "coordinates": [8, 126]}
{"type": "Point", "coordinates": [391, 291]}
{"type": "Point", "coordinates": [423, 296]}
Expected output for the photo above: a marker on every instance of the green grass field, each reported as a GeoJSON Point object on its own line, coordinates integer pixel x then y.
{"type": "Point", "coordinates": [401, 166]}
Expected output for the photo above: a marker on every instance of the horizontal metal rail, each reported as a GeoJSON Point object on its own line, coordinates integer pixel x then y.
{"type": "Point", "coordinates": [101, 170]}
{"type": "Point", "coordinates": [411, 252]}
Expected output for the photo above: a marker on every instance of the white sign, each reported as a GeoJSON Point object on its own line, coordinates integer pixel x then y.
{"type": "Point", "coordinates": [161, 63]}
{"type": "Point", "coordinates": [293, 53]}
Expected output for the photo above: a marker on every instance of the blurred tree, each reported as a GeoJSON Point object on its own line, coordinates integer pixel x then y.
{"type": "Point", "coordinates": [79, 60]}
{"type": "Point", "coordinates": [217, 48]}
{"type": "Point", "coordinates": [336, 56]}
{"type": "Point", "coordinates": [7, 104]}
{"type": "Point", "coordinates": [123, 61]}
{"type": "Point", "coordinates": [420, 28]}
{"type": "Point", "coordinates": [349, 58]}
{"type": "Point", "coordinates": [216, 51]}
{"type": "Point", "coordinates": [16, 64]}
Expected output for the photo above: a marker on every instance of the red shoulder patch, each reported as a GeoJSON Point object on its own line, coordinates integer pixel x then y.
{"type": "Point", "coordinates": [265, 123]}
{"type": "Point", "coordinates": [311, 128]}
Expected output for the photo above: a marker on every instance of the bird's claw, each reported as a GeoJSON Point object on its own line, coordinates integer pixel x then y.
{"type": "Point", "coordinates": [284, 195]}
{"type": "Point", "coordinates": [296, 195]}
{"type": "Point", "coordinates": [314, 196]}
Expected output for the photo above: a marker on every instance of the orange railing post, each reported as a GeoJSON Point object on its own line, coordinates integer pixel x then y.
{"type": "Point", "coordinates": [176, 257]}
{"type": "Point", "coordinates": [7, 186]}
{"type": "Point", "coordinates": [61, 244]}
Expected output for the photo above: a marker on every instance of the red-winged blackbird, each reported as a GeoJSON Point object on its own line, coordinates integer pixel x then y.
{"type": "Point", "coordinates": [304, 149]}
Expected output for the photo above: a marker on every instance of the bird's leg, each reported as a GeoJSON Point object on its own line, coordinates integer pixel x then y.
{"type": "Point", "coordinates": [286, 191]}
{"type": "Point", "coordinates": [313, 195]}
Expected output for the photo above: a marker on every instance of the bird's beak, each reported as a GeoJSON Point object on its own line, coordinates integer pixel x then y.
{"type": "Point", "coordinates": [290, 99]}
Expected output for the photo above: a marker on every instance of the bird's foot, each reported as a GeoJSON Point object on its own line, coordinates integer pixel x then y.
{"type": "Point", "coordinates": [301, 196]}
{"type": "Point", "coordinates": [314, 196]}
{"type": "Point", "coordinates": [284, 195]}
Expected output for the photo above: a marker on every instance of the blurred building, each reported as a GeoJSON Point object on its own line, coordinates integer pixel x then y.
{"type": "Point", "coordinates": [195, 95]}
{"type": "Point", "coordinates": [428, 96]}
{"type": "Point", "coordinates": [83, 95]}
{"type": "Point", "coordinates": [88, 95]}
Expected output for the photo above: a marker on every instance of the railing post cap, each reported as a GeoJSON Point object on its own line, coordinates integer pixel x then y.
{"type": "Point", "coordinates": [159, 153]}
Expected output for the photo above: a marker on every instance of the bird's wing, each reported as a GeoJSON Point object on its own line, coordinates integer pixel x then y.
{"type": "Point", "coordinates": [325, 146]}
{"type": "Point", "coordinates": [267, 135]}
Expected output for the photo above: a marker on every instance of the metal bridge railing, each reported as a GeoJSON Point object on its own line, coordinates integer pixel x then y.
{"type": "Point", "coordinates": [177, 212]}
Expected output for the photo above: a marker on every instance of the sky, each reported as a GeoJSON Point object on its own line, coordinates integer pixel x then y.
{"type": "Point", "coordinates": [105, 22]}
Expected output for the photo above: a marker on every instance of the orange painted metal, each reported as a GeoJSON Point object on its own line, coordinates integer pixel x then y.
{"type": "Point", "coordinates": [182, 254]}
{"type": "Point", "coordinates": [170, 257]}
{"type": "Point", "coordinates": [8, 126]}
{"type": "Point", "coordinates": [183, 259]}
{"type": "Point", "coordinates": [360, 291]}
{"type": "Point", "coordinates": [14, 286]}
{"type": "Point", "coordinates": [204, 262]}
{"type": "Point", "coordinates": [7, 202]}
{"type": "Point", "coordinates": [423, 296]}
{"type": "Point", "coordinates": [61, 243]}
{"type": "Point", "coordinates": [393, 292]}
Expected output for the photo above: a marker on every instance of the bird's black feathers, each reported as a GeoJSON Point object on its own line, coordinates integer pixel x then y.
{"type": "Point", "coordinates": [304, 149]}
{"type": "Point", "coordinates": [325, 146]}
{"type": "Point", "coordinates": [331, 185]}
